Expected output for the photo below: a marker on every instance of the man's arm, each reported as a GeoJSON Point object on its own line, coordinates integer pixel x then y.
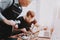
{"type": "Point", "coordinates": [3, 5]}
{"type": "Point", "coordinates": [8, 22]}
{"type": "Point", "coordinates": [2, 18]}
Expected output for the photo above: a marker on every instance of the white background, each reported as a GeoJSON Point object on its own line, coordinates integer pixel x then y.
{"type": "Point", "coordinates": [47, 14]}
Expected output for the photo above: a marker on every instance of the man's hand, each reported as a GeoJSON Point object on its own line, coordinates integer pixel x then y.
{"type": "Point", "coordinates": [10, 22]}
{"type": "Point", "coordinates": [13, 24]}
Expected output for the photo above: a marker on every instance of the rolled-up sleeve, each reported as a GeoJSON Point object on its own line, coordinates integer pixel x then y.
{"type": "Point", "coordinates": [1, 17]}
{"type": "Point", "coordinates": [4, 4]}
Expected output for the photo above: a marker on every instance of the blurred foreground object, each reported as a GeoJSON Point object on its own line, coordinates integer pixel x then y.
{"type": "Point", "coordinates": [24, 3]}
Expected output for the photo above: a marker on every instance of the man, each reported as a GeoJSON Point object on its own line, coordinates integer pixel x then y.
{"type": "Point", "coordinates": [7, 7]}
{"type": "Point", "coordinates": [26, 21]}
